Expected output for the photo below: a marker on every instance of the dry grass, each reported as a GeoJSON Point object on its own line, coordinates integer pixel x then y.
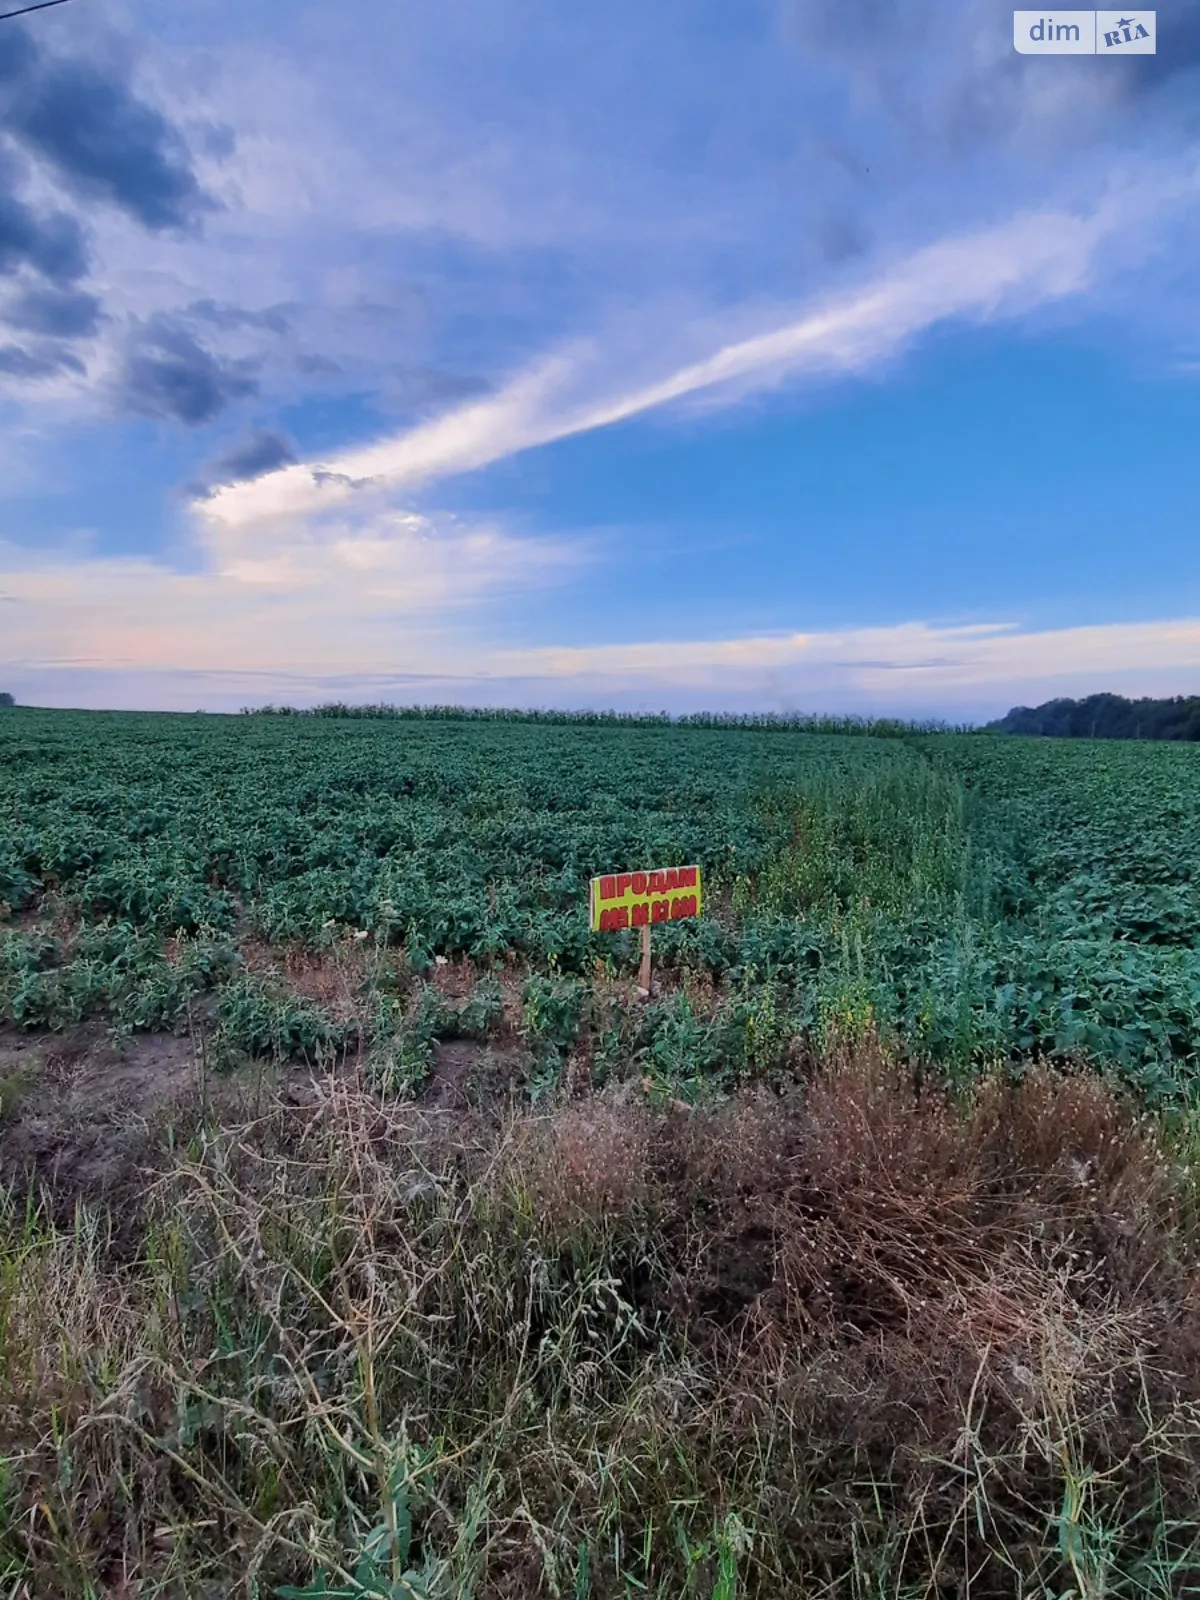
{"type": "Point", "coordinates": [332, 976]}
{"type": "Point", "coordinates": [859, 1341]}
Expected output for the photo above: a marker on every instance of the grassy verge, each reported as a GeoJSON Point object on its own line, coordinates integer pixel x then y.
{"type": "Point", "coordinates": [861, 1340]}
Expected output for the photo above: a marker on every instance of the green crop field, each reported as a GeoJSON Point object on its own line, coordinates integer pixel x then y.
{"type": "Point", "coordinates": [978, 898]}
{"type": "Point", "coordinates": [364, 1234]}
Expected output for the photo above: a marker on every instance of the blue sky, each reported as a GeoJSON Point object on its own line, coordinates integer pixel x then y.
{"type": "Point", "coordinates": [785, 354]}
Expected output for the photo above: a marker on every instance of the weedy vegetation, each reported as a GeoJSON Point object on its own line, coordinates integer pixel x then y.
{"type": "Point", "coordinates": [860, 1261]}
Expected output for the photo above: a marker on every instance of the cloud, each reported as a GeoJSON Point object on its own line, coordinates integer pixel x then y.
{"type": "Point", "coordinates": [71, 124]}
{"type": "Point", "coordinates": [251, 457]}
{"type": "Point", "coordinates": [372, 616]}
{"type": "Point", "coordinates": [18, 55]}
{"type": "Point", "coordinates": [100, 139]}
{"type": "Point", "coordinates": [316, 366]}
{"type": "Point", "coordinates": [385, 596]}
{"type": "Point", "coordinates": [45, 362]}
{"type": "Point", "coordinates": [57, 313]}
{"type": "Point", "coordinates": [167, 373]}
{"type": "Point", "coordinates": [52, 243]}
{"type": "Point", "coordinates": [911, 659]}
{"type": "Point", "coordinates": [1178, 48]}
{"type": "Point", "coordinates": [226, 317]}
{"type": "Point", "coordinates": [912, 668]}
{"type": "Point", "coordinates": [993, 273]}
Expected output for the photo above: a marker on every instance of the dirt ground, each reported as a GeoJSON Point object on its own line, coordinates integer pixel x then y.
{"type": "Point", "coordinates": [87, 1116]}
{"type": "Point", "coordinates": [82, 1114]}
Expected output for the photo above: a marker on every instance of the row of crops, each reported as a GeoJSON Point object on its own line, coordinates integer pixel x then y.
{"type": "Point", "coordinates": [981, 898]}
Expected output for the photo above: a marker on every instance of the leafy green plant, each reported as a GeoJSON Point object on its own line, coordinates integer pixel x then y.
{"type": "Point", "coordinates": [988, 897]}
{"type": "Point", "coordinates": [254, 1021]}
{"type": "Point", "coordinates": [380, 1560]}
{"type": "Point", "coordinates": [552, 1010]}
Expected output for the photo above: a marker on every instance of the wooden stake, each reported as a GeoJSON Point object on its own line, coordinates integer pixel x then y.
{"type": "Point", "coordinates": [644, 974]}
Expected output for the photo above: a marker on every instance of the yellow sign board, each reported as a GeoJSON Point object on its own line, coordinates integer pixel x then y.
{"type": "Point", "coordinates": [641, 899]}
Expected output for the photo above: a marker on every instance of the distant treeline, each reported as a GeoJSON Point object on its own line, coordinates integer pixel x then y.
{"type": "Point", "coordinates": [6, 700]}
{"type": "Point", "coordinates": [1106, 716]}
{"type": "Point", "coordinates": [764, 721]}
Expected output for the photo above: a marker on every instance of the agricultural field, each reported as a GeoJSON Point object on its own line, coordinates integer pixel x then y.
{"type": "Point", "coordinates": [978, 899]}
{"type": "Point", "coordinates": [367, 1235]}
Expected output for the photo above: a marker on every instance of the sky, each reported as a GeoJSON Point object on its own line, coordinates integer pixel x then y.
{"type": "Point", "coordinates": [782, 355]}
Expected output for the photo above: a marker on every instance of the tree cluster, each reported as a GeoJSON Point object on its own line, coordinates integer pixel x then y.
{"type": "Point", "coordinates": [1106, 716]}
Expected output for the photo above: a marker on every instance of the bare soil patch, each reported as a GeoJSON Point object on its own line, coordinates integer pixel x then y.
{"type": "Point", "coordinates": [466, 1074]}
{"type": "Point", "coordinates": [87, 1115]}
{"type": "Point", "coordinates": [84, 1115]}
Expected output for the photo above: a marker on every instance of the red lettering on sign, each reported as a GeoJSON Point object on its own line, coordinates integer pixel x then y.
{"type": "Point", "coordinates": [658, 882]}
{"type": "Point", "coordinates": [660, 911]}
{"type": "Point", "coordinates": [639, 883]}
{"type": "Point", "coordinates": [641, 913]}
{"type": "Point", "coordinates": [672, 879]}
{"type": "Point", "coordinates": [621, 913]}
{"type": "Point", "coordinates": [623, 883]}
{"type": "Point", "coordinates": [684, 906]}
{"type": "Point", "coordinates": [687, 877]}
{"type": "Point", "coordinates": [608, 888]}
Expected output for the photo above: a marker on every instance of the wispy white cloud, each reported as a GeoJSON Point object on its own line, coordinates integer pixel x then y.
{"type": "Point", "coordinates": [914, 660]}
{"type": "Point", "coordinates": [990, 274]}
{"type": "Point", "coordinates": [389, 616]}
{"type": "Point", "coordinates": [383, 593]}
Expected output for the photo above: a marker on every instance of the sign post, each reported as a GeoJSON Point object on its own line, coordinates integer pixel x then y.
{"type": "Point", "coordinates": [644, 973]}
{"type": "Point", "coordinates": [620, 900]}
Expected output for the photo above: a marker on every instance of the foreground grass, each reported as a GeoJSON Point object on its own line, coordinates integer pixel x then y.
{"type": "Point", "coordinates": [858, 1342]}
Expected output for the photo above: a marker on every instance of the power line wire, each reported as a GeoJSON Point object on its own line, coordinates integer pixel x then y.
{"type": "Point", "coordinates": [42, 5]}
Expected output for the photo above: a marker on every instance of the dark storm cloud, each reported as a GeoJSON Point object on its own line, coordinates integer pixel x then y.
{"type": "Point", "coordinates": [168, 373]}
{"type": "Point", "coordinates": [97, 135]}
{"type": "Point", "coordinates": [57, 313]}
{"type": "Point", "coordinates": [251, 457]}
{"type": "Point", "coordinates": [52, 243]}
{"type": "Point", "coordinates": [17, 362]}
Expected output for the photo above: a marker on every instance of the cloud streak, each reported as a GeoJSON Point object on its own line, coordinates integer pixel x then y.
{"type": "Point", "coordinates": [921, 660]}
{"type": "Point", "coordinates": [130, 633]}
{"type": "Point", "coordinates": [993, 273]}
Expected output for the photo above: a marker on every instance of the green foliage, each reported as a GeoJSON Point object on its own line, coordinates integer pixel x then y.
{"type": "Point", "coordinates": [402, 1037]}
{"type": "Point", "coordinates": [253, 1021]}
{"type": "Point", "coordinates": [750, 721]}
{"type": "Point", "coordinates": [978, 898]}
{"type": "Point", "coordinates": [552, 1015]}
{"type": "Point", "coordinates": [112, 969]}
{"type": "Point", "coordinates": [553, 1010]}
{"type": "Point", "coordinates": [380, 1559]}
{"type": "Point", "coordinates": [1107, 716]}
